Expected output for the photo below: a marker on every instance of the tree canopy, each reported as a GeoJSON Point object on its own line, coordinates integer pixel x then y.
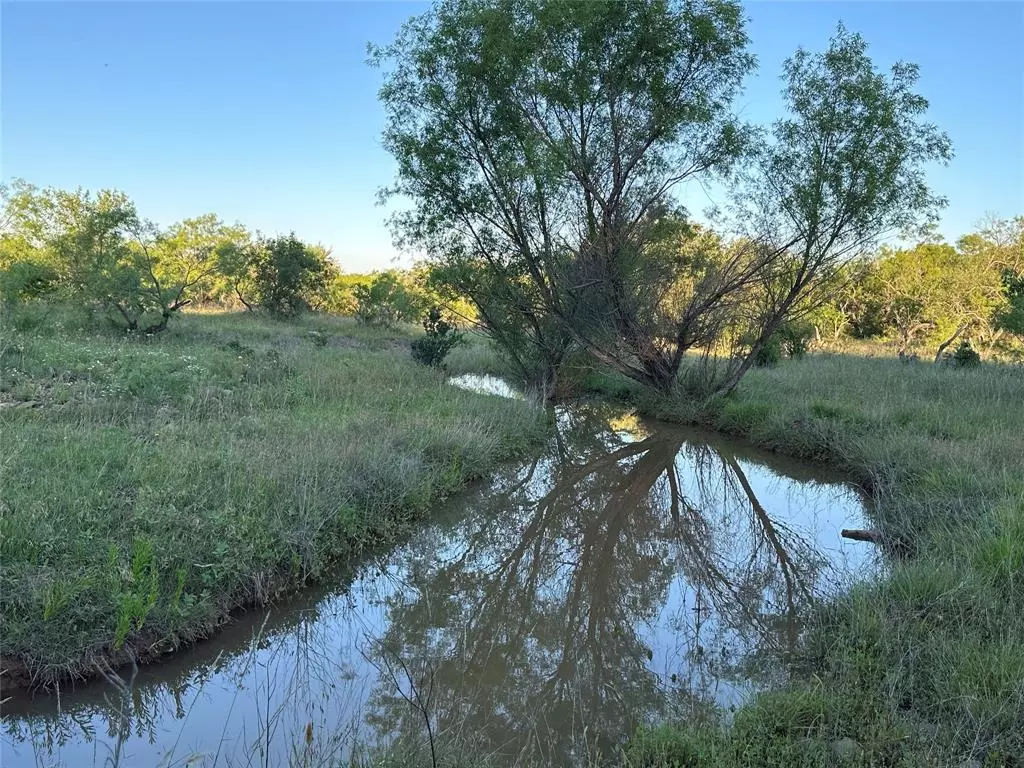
{"type": "Point", "coordinates": [541, 143]}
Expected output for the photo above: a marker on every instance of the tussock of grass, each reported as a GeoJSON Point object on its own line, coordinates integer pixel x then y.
{"type": "Point", "coordinates": [156, 485]}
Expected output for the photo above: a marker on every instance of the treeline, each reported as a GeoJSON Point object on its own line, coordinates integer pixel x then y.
{"type": "Point", "coordinates": [925, 299]}
{"type": "Point", "coordinates": [96, 251]}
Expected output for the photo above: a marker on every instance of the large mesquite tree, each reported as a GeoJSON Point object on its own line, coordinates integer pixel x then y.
{"type": "Point", "coordinates": [538, 141]}
{"type": "Point", "coordinates": [844, 168]}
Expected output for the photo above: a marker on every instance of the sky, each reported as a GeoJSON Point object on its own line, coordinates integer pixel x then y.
{"type": "Point", "coordinates": [266, 112]}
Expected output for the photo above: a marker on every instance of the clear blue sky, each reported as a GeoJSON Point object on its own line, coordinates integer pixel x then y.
{"type": "Point", "coordinates": [266, 113]}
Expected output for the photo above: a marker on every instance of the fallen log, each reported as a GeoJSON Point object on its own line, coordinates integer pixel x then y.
{"type": "Point", "coordinates": [857, 534]}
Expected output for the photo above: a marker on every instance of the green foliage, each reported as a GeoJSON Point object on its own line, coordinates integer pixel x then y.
{"type": "Point", "coordinates": [191, 253]}
{"type": "Point", "coordinates": [94, 250]}
{"type": "Point", "coordinates": [387, 299]}
{"type": "Point", "coordinates": [280, 275]}
{"type": "Point", "coordinates": [26, 280]}
{"type": "Point", "coordinates": [796, 338]}
{"type": "Point", "coordinates": [964, 356]}
{"type": "Point", "coordinates": [519, 206]}
{"type": "Point", "coordinates": [139, 594]}
{"type": "Point", "coordinates": [440, 337]}
{"type": "Point", "coordinates": [532, 343]}
{"type": "Point", "coordinates": [936, 293]}
{"type": "Point", "coordinates": [770, 352]}
{"type": "Point", "coordinates": [932, 290]}
{"type": "Point", "coordinates": [790, 340]}
{"type": "Point", "coordinates": [872, 176]}
{"type": "Point", "coordinates": [339, 298]}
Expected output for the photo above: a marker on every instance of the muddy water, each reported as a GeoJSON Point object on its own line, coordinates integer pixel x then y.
{"type": "Point", "coordinates": [632, 572]}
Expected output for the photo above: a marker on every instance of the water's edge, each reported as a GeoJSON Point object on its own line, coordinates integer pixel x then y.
{"type": "Point", "coordinates": [641, 568]}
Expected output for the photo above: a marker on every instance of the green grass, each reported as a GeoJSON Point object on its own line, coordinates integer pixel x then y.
{"type": "Point", "coordinates": [149, 487]}
{"type": "Point", "coordinates": [926, 666]}
{"type": "Point", "coordinates": [159, 484]}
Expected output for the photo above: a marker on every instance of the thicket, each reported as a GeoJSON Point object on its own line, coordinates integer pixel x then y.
{"type": "Point", "coordinates": [94, 251]}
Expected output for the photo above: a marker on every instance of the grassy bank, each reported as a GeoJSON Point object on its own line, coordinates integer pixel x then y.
{"type": "Point", "coordinates": [925, 667]}
{"type": "Point", "coordinates": [150, 487]}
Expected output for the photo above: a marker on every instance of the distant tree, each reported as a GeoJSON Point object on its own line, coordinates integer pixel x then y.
{"type": "Point", "coordinates": [938, 292]}
{"type": "Point", "coordinates": [999, 246]}
{"type": "Point", "coordinates": [82, 237]}
{"type": "Point", "coordinates": [912, 288]}
{"type": "Point", "coordinates": [94, 249]}
{"type": "Point", "coordinates": [27, 269]}
{"type": "Point", "coordinates": [191, 253]}
{"type": "Point", "coordinates": [281, 275]}
{"type": "Point", "coordinates": [389, 297]}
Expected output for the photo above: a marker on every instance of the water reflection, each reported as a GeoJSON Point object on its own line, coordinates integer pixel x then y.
{"type": "Point", "coordinates": [635, 570]}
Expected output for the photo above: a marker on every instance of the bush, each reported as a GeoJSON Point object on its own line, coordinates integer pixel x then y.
{"type": "Point", "coordinates": [24, 280]}
{"type": "Point", "coordinates": [281, 275]}
{"type": "Point", "coordinates": [790, 340]}
{"type": "Point", "coordinates": [795, 338]}
{"type": "Point", "coordinates": [387, 299]}
{"type": "Point", "coordinates": [441, 337]}
{"type": "Point", "coordinates": [965, 356]}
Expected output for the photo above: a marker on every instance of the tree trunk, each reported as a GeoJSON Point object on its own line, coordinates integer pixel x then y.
{"type": "Point", "coordinates": [159, 327]}
{"type": "Point", "coordinates": [660, 373]}
{"type": "Point", "coordinates": [992, 343]}
{"type": "Point", "coordinates": [942, 347]}
{"type": "Point", "coordinates": [543, 387]}
{"type": "Point", "coordinates": [238, 293]}
{"type": "Point", "coordinates": [131, 323]}
{"type": "Point", "coordinates": [733, 381]}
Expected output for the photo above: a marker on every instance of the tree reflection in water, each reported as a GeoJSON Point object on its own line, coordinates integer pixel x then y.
{"type": "Point", "coordinates": [634, 571]}
{"type": "Point", "coordinates": [536, 619]}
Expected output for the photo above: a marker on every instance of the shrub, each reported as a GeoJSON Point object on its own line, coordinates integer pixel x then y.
{"type": "Point", "coordinates": [387, 299]}
{"type": "Point", "coordinates": [318, 338]}
{"type": "Point", "coordinates": [440, 338]}
{"type": "Point", "coordinates": [965, 356]}
{"type": "Point", "coordinates": [282, 275]}
{"type": "Point", "coordinates": [26, 280]}
{"type": "Point", "coordinates": [790, 340]}
{"type": "Point", "coordinates": [795, 337]}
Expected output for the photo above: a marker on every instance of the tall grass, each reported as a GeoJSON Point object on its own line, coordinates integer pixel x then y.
{"type": "Point", "coordinates": [149, 487]}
